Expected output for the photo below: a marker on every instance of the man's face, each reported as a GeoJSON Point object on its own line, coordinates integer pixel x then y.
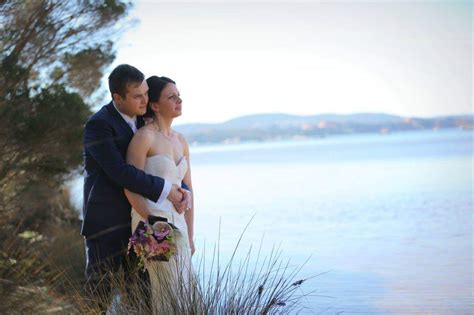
{"type": "Point", "coordinates": [135, 101]}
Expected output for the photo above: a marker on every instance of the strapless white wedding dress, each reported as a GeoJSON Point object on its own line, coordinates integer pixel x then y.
{"type": "Point", "coordinates": [171, 279]}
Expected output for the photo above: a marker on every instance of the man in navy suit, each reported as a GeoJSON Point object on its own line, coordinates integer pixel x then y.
{"type": "Point", "coordinates": [106, 213]}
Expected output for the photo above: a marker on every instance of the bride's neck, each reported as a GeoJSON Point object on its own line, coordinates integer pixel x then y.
{"type": "Point", "coordinates": [163, 124]}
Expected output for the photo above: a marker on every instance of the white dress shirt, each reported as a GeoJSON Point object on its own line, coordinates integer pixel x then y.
{"type": "Point", "coordinates": [132, 122]}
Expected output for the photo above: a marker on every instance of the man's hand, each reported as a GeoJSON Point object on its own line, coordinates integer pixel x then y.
{"type": "Point", "coordinates": [176, 197]}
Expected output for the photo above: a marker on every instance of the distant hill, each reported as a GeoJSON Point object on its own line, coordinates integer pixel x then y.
{"type": "Point", "coordinates": [276, 126]}
{"type": "Point", "coordinates": [264, 120]}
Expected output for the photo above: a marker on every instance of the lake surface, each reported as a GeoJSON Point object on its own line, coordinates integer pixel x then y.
{"type": "Point", "coordinates": [388, 217]}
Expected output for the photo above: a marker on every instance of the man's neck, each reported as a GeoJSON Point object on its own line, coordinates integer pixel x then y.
{"type": "Point", "coordinates": [116, 107]}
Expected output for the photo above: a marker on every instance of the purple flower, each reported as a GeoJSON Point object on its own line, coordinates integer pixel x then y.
{"type": "Point", "coordinates": [160, 235]}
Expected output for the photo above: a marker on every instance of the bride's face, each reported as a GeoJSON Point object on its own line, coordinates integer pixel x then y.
{"type": "Point", "coordinates": [169, 104]}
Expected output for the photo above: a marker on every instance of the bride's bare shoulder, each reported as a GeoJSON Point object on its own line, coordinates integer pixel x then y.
{"type": "Point", "coordinates": [181, 138]}
{"type": "Point", "coordinates": [144, 135]}
{"type": "Point", "coordinates": [184, 144]}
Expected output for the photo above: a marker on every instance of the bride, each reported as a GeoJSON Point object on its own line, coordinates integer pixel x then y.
{"type": "Point", "coordinates": [159, 150]}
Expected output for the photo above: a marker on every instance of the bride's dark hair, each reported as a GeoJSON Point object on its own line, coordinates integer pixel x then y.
{"type": "Point", "coordinates": [156, 84]}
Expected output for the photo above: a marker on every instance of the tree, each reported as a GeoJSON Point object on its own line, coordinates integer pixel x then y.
{"type": "Point", "coordinates": [53, 56]}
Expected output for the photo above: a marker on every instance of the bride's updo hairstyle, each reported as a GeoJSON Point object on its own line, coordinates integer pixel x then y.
{"type": "Point", "coordinates": [155, 86]}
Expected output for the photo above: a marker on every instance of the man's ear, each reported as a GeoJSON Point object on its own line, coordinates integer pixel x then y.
{"type": "Point", "coordinates": [117, 97]}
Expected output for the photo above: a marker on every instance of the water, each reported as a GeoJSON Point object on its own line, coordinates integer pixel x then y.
{"type": "Point", "coordinates": [388, 216]}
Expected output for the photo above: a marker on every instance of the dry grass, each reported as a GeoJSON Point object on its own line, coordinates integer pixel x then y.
{"type": "Point", "coordinates": [40, 274]}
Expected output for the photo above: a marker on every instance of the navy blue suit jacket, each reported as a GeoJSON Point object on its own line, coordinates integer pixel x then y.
{"type": "Point", "coordinates": [106, 210]}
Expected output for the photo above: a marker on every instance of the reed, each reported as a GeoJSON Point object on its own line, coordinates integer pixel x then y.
{"type": "Point", "coordinates": [45, 275]}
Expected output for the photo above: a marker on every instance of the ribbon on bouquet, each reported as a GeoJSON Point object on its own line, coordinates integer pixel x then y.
{"type": "Point", "coordinates": [152, 219]}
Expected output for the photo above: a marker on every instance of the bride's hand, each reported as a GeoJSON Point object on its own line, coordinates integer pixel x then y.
{"type": "Point", "coordinates": [176, 197]}
{"type": "Point", "coordinates": [187, 198]}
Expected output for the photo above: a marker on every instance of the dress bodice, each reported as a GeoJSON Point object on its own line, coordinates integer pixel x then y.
{"type": "Point", "coordinates": [164, 166]}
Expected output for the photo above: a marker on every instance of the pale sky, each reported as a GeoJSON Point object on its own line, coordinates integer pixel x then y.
{"type": "Point", "coordinates": [233, 58]}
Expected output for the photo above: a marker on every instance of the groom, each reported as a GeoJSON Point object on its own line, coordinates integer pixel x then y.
{"type": "Point", "coordinates": [106, 213]}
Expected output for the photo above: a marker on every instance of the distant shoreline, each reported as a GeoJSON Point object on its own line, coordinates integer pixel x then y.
{"type": "Point", "coordinates": [236, 140]}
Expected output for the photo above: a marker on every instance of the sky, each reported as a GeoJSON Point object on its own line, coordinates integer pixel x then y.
{"type": "Point", "coordinates": [236, 58]}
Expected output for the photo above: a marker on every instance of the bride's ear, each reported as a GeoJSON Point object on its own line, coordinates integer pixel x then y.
{"type": "Point", "coordinates": [154, 106]}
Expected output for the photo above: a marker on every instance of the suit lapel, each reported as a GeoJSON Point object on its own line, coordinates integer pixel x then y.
{"type": "Point", "coordinates": [119, 119]}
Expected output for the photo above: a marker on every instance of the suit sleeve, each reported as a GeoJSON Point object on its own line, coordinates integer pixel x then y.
{"type": "Point", "coordinates": [184, 186]}
{"type": "Point", "coordinates": [99, 143]}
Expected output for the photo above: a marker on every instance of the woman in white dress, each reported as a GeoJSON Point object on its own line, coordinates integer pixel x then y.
{"type": "Point", "coordinates": [159, 150]}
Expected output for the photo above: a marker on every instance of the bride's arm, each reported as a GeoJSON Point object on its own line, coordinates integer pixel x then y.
{"type": "Point", "coordinates": [136, 156]}
{"type": "Point", "coordinates": [188, 215]}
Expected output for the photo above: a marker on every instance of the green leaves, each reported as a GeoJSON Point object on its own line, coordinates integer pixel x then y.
{"type": "Point", "coordinates": [63, 41]}
{"type": "Point", "coordinates": [84, 69]}
{"type": "Point", "coordinates": [53, 56]}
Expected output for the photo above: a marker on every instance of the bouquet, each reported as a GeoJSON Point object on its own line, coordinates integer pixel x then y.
{"type": "Point", "coordinates": [153, 241]}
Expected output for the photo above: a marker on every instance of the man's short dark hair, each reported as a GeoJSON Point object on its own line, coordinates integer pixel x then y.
{"type": "Point", "coordinates": [121, 77]}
